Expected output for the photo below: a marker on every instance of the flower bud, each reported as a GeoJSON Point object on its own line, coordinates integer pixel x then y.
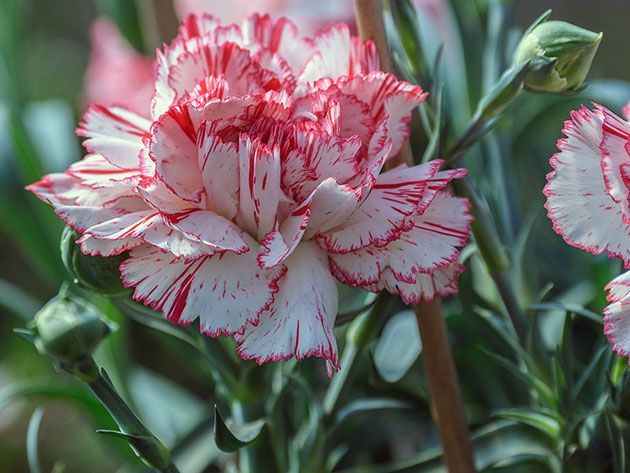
{"type": "Point", "coordinates": [69, 330]}
{"type": "Point", "coordinates": [560, 55]}
{"type": "Point", "coordinates": [95, 273]}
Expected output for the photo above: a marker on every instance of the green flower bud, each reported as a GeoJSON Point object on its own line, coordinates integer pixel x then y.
{"type": "Point", "coordinates": [560, 55]}
{"type": "Point", "coordinates": [95, 273]}
{"type": "Point", "coordinates": [69, 330]}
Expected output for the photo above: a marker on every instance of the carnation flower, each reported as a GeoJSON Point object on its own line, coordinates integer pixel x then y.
{"type": "Point", "coordinates": [256, 184]}
{"type": "Point", "coordinates": [588, 201]}
{"type": "Point", "coordinates": [117, 73]}
{"type": "Point", "coordinates": [309, 16]}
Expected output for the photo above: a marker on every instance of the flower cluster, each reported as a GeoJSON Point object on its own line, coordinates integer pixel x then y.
{"type": "Point", "coordinates": [588, 200]}
{"type": "Point", "coordinates": [256, 184]}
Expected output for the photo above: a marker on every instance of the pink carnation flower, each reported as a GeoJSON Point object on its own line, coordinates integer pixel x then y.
{"type": "Point", "coordinates": [588, 201]}
{"type": "Point", "coordinates": [308, 15]}
{"type": "Point", "coordinates": [117, 73]}
{"type": "Point", "coordinates": [257, 183]}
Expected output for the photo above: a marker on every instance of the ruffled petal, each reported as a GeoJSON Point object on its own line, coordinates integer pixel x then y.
{"type": "Point", "coordinates": [617, 314]}
{"type": "Point", "coordinates": [301, 319]}
{"type": "Point", "coordinates": [315, 157]}
{"type": "Point", "coordinates": [224, 291]}
{"type": "Point", "coordinates": [115, 133]}
{"type": "Point", "coordinates": [428, 286]}
{"type": "Point", "coordinates": [96, 172]}
{"type": "Point", "coordinates": [219, 163]}
{"type": "Point", "coordinates": [387, 99]}
{"type": "Point", "coordinates": [197, 224]}
{"type": "Point", "coordinates": [384, 215]}
{"type": "Point", "coordinates": [173, 148]}
{"type": "Point", "coordinates": [615, 147]}
{"type": "Point", "coordinates": [105, 248]}
{"type": "Point", "coordinates": [578, 202]}
{"type": "Point", "coordinates": [135, 228]}
{"type": "Point", "coordinates": [433, 243]}
{"type": "Point", "coordinates": [337, 54]}
{"type": "Point", "coordinates": [81, 206]}
{"type": "Point", "coordinates": [259, 186]}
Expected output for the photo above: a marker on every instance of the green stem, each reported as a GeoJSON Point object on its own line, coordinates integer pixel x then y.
{"type": "Point", "coordinates": [148, 448]}
{"type": "Point", "coordinates": [246, 460]}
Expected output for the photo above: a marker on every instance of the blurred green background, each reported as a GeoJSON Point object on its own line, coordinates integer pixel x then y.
{"type": "Point", "coordinates": [44, 53]}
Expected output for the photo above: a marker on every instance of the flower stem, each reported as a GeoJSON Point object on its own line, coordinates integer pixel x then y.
{"type": "Point", "coordinates": [446, 400]}
{"type": "Point", "coordinates": [448, 410]}
{"type": "Point", "coordinates": [144, 443]}
{"type": "Point", "coordinates": [246, 459]}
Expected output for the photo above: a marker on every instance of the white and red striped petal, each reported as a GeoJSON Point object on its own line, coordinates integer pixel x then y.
{"type": "Point", "coordinates": [96, 172]}
{"type": "Point", "coordinates": [432, 243]}
{"type": "Point", "coordinates": [115, 133]}
{"type": "Point", "coordinates": [387, 99]}
{"type": "Point", "coordinates": [223, 291]}
{"type": "Point", "coordinates": [326, 207]}
{"type": "Point", "coordinates": [279, 37]}
{"type": "Point", "coordinates": [617, 314]}
{"type": "Point", "coordinates": [259, 186]}
{"type": "Point", "coordinates": [197, 224]}
{"type": "Point", "coordinates": [219, 164]}
{"type": "Point", "coordinates": [615, 147]}
{"type": "Point", "coordinates": [173, 148]}
{"type": "Point", "coordinates": [133, 229]}
{"type": "Point", "coordinates": [82, 207]}
{"type": "Point", "coordinates": [578, 202]}
{"type": "Point", "coordinates": [428, 286]}
{"type": "Point", "coordinates": [316, 157]}
{"type": "Point", "coordinates": [105, 248]}
{"type": "Point", "coordinates": [338, 54]}
{"type": "Point", "coordinates": [301, 319]}
{"type": "Point", "coordinates": [384, 215]}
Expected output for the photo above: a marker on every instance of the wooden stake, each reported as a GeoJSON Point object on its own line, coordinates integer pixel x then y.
{"type": "Point", "coordinates": [446, 400]}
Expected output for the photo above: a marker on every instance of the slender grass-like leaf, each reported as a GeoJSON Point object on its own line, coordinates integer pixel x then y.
{"type": "Point", "coordinates": [32, 441]}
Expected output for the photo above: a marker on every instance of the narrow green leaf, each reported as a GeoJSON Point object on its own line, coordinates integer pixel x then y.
{"type": "Point", "coordinates": [49, 389]}
{"type": "Point", "coordinates": [17, 301]}
{"type": "Point", "coordinates": [529, 379]}
{"type": "Point", "coordinates": [586, 373]}
{"type": "Point", "coordinates": [229, 442]}
{"type": "Point", "coordinates": [568, 307]}
{"type": "Point", "coordinates": [32, 442]}
{"type": "Point", "coordinates": [362, 406]}
{"type": "Point", "coordinates": [550, 426]}
{"type": "Point", "coordinates": [615, 439]}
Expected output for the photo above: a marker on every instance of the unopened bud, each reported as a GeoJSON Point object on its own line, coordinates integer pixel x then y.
{"type": "Point", "coordinates": [95, 273]}
{"type": "Point", "coordinates": [69, 330]}
{"type": "Point", "coordinates": [560, 55]}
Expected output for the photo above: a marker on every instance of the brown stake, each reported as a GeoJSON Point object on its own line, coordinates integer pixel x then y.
{"type": "Point", "coordinates": [446, 400]}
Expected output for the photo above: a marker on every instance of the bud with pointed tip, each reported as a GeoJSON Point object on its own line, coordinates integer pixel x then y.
{"type": "Point", "coordinates": [560, 55]}
{"type": "Point", "coordinates": [68, 330]}
{"type": "Point", "coordinates": [95, 273]}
